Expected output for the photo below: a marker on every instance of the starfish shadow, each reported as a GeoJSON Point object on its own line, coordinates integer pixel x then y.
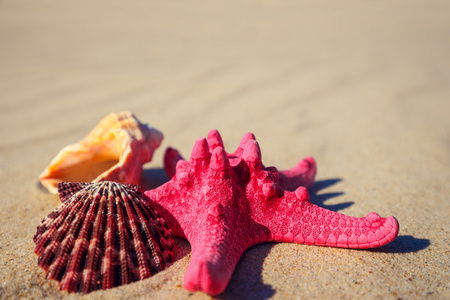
{"type": "Point", "coordinates": [246, 281]}
{"type": "Point", "coordinates": [153, 178]}
{"type": "Point", "coordinates": [404, 244]}
{"type": "Point", "coordinates": [319, 199]}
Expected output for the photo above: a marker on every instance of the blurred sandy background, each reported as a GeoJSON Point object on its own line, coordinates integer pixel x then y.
{"type": "Point", "coordinates": [363, 86]}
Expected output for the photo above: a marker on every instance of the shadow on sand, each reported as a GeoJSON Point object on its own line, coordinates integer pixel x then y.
{"type": "Point", "coordinates": [404, 244]}
{"type": "Point", "coordinates": [319, 199]}
{"type": "Point", "coordinates": [247, 281]}
{"type": "Point", "coordinates": [153, 178]}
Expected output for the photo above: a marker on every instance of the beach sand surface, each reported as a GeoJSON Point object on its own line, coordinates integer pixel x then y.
{"type": "Point", "coordinates": [362, 86]}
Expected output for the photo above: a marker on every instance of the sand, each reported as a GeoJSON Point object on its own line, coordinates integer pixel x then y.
{"type": "Point", "coordinates": [362, 86]}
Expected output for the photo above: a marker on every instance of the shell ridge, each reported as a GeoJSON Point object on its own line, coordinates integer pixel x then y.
{"type": "Point", "coordinates": [53, 237]}
{"type": "Point", "coordinates": [107, 264]}
{"type": "Point", "coordinates": [136, 189]}
{"type": "Point", "coordinates": [151, 242]}
{"type": "Point", "coordinates": [59, 216]}
{"type": "Point", "coordinates": [59, 262]}
{"type": "Point", "coordinates": [95, 249]}
{"type": "Point", "coordinates": [124, 240]}
{"type": "Point", "coordinates": [72, 278]}
{"type": "Point", "coordinates": [67, 189]}
{"type": "Point", "coordinates": [48, 255]}
{"type": "Point", "coordinates": [163, 236]}
{"type": "Point", "coordinates": [141, 251]}
{"type": "Point", "coordinates": [85, 234]}
{"type": "Point", "coordinates": [42, 231]}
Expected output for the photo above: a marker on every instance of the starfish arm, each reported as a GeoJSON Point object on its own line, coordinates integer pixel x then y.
{"type": "Point", "coordinates": [211, 213]}
{"type": "Point", "coordinates": [303, 174]}
{"type": "Point", "coordinates": [293, 218]}
{"type": "Point", "coordinates": [215, 253]}
{"type": "Point", "coordinates": [171, 158]}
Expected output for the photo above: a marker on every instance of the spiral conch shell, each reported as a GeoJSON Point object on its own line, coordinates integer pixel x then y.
{"type": "Point", "coordinates": [115, 150]}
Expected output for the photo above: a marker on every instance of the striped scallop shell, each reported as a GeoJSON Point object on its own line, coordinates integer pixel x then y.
{"type": "Point", "coordinates": [102, 236]}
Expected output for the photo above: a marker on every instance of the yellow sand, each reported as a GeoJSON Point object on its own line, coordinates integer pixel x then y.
{"type": "Point", "coordinates": [363, 86]}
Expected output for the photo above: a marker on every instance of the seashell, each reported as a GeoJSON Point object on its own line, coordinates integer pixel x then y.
{"type": "Point", "coordinates": [115, 150]}
{"type": "Point", "coordinates": [102, 236]}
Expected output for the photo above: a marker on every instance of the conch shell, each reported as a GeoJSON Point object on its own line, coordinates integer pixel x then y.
{"type": "Point", "coordinates": [115, 150]}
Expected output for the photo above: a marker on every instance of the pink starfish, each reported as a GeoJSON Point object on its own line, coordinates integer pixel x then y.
{"type": "Point", "coordinates": [225, 203]}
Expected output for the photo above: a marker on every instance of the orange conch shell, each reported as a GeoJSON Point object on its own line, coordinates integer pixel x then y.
{"type": "Point", "coordinates": [114, 150]}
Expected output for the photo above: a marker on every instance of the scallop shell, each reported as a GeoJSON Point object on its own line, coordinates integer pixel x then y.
{"type": "Point", "coordinates": [102, 236]}
{"type": "Point", "coordinates": [115, 150]}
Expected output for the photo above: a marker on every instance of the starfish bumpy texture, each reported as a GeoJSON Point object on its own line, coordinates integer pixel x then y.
{"type": "Point", "coordinates": [225, 203]}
